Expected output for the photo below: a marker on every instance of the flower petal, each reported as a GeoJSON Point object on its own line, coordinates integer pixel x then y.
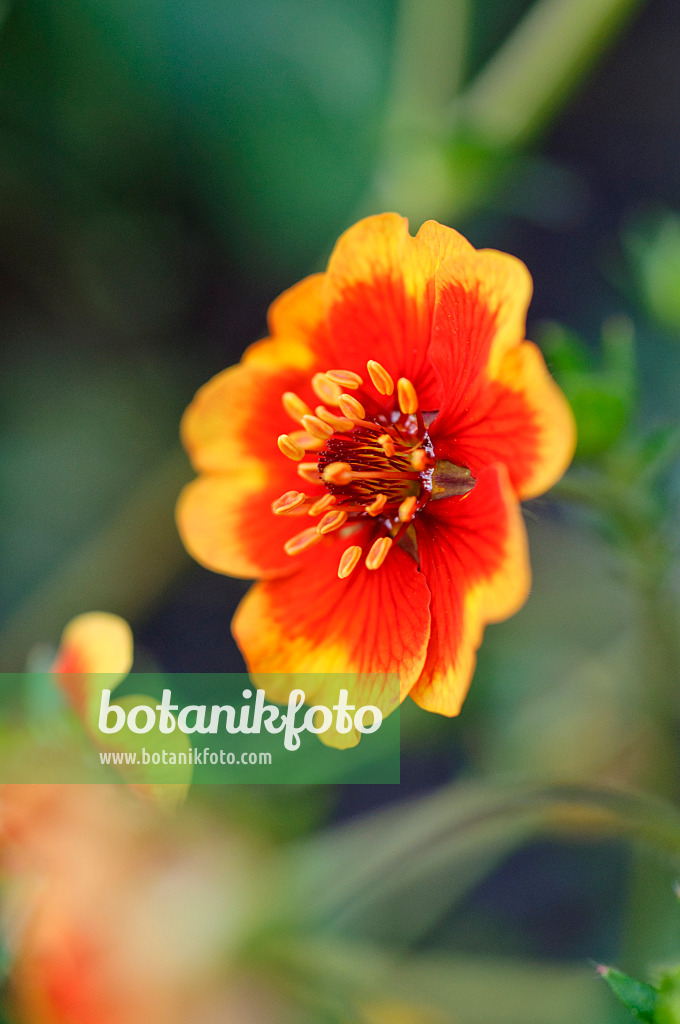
{"type": "Point", "coordinates": [299, 311]}
{"type": "Point", "coordinates": [482, 298]}
{"type": "Point", "coordinates": [501, 404]}
{"type": "Point", "coordinates": [226, 523]}
{"type": "Point", "coordinates": [374, 622]}
{"type": "Point", "coordinates": [95, 642]}
{"type": "Point", "coordinates": [473, 554]}
{"type": "Point", "coordinates": [230, 431]}
{"type": "Point", "coordinates": [380, 296]}
{"type": "Point", "coordinates": [238, 415]}
{"type": "Point", "coordinates": [297, 328]}
{"type": "Point", "coordinates": [520, 418]}
{"type": "Point", "coordinates": [96, 649]}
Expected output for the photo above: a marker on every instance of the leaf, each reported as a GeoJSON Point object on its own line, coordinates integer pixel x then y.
{"type": "Point", "coordinates": [639, 998]}
{"type": "Point", "coordinates": [424, 857]}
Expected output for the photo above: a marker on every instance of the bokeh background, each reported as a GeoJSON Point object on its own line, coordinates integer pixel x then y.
{"type": "Point", "coordinates": [166, 169]}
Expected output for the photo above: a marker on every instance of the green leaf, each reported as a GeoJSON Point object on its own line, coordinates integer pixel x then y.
{"type": "Point", "coordinates": [602, 393]}
{"type": "Point", "coordinates": [639, 998]}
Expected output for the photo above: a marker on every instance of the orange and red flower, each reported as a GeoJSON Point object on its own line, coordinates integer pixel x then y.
{"type": "Point", "coordinates": [366, 462]}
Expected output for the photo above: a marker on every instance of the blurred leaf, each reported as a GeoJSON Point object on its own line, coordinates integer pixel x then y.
{"type": "Point", "coordinates": [639, 998]}
{"type": "Point", "coordinates": [389, 877]}
{"type": "Point", "coordinates": [455, 989]}
{"type": "Point", "coordinates": [668, 1002]}
{"type": "Point", "coordinates": [652, 246]}
{"type": "Point", "coordinates": [602, 397]}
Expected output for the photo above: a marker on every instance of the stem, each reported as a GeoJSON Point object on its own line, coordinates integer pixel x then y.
{"type": "Point", "coordinates": [538, 67]}
{"type": "Point", "coordinates": [411, 173]}
{"type": "Point", "coordinates": [429, 59]}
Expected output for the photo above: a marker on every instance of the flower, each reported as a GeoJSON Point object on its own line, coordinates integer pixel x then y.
{"type": "Point", "coordinates": [96, 653]}
{"type": "Point", "coordinates": [116, 914]}
{"type": "Point", "coordinates": [366, 461]}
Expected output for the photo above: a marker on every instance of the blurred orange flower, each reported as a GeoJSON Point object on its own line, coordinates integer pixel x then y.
{"type": "Point", "coordinates": [420, 418]}
{"type": "Point", "coordinates": [96, 652]}
{"type": "Point", "coordinates": [114, 914]}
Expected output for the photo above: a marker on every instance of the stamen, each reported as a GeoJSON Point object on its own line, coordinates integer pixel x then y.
{"type": "Point", "coordinates": [301, 541]}
{"type": "Point", "coordinates": [290, 448]}
{"type": "Point", "coordinates": [407, 509]}
{"type": "Point", "coordinates": [294, 406]}
{"type": "Point", "coordinates": [325, 389]}
{"type": "Point", "coordinates": [317, 428]}
{"type": "Point", "coordinates": [349, 561]}
{"type": "Point", "coordinates": [345, 378]}
{"type": "Point", "coordinates": [381, 474]}
{"type": "Point", "coordinates": [419, 459]}
{"type": "Point", "coordinates": [309, 471]}
{"type": "Point", "coordinates": [322, 504]}
{"type": "Point", "coordinates": [407, 396]}
{"type": "Point", "coordinates": [339, 423]}
{"type": "Point", "coordinates": [377, 505]}
{"type": "Point", "coordinates": [378, 553]}
{"type": "Point", "coordinates": [382, 381]}
{"type": "Point", "coordinates": [307, 440]}
{"type": "Point", "coordinates": [332, 521]}
{"type": "Point", "coordinates": [351, 407]}
{"type": "Point", "coordinates": [287, 502]}
{"type": "Point", "coordinates": [387, 445]}
{"type": "Point", "coordinates": [339, 473]}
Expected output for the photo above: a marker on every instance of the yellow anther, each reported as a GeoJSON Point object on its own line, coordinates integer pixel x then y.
{"type": "Point", "coordinates": [378, 553]}
{"type": "Point", "coordinates": [419, 459]}
{"type": "Point", "coordinates": [407, 396]}
{"type": "Point", "coordinates": [294, 406]}
{"type": "Point", "coordinates": [387, 445]}
{"type": "Point", "coordinates": [377, 505]}
{"type": "Point", "coordinates": [309, 471]}
{"type": "Point", "coordinates": [407, 509]}
{"type": "Point", "coordinates": [382, 381]}
{"type": "Point", "coordinates": [287, 502]}
{"type": "Point", "coordinates": [332, 521]}
{"type": "Point", "coordinates": [317, 428]}
{"type": "Point", "coordinates": [301, 541]}
{"type": "Point", "coordinates": [345, 378]}
{"type": "Point", "coordinates": [306, 440]}
{"type": "Point", "coordinates": [340, 423]}
{"type": "Point", "coordinates": [290, 448]}
{"type": "Point", "coordinates": [323, 504]}
{"type": "Point", "coordinates": [349, 561]}
{"type": "Point", "coordinates": [325, 389]}
{"type": "Point", "coordinates": [339, 473]}
{"type": "Point", "coordinates": [351, 407]}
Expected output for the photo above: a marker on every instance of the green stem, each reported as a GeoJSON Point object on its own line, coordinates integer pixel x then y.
{"type": "Point", "coordinates": [537, 68]}
{"type": "Point", "coordinates": [430, 48]}
{"type": "Point", "coordinates": [429, 59]}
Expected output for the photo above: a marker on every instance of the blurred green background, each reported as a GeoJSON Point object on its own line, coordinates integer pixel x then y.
{"type": "Point", "coordinates": [166, 169]}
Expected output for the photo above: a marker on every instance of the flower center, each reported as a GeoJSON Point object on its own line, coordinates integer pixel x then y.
{"type": "Point", "coordinates": [373, 454]}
